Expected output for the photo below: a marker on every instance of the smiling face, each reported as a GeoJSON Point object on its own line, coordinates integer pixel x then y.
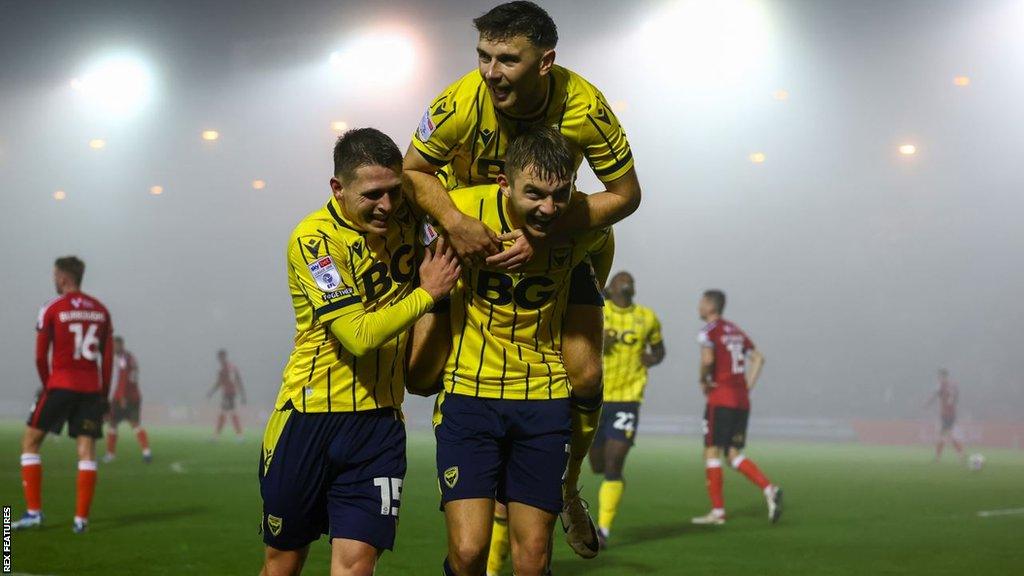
{"type": "Point", "coordinates": [370, 196]}
{"type": "Point", "coordinates": [514, 70]}
{"type": "Point", "coordinates": [535, 203]}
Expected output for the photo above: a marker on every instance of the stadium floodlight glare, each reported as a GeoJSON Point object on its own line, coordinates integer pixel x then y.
{"type": "Point", "coordinates": [908, 149]}
{"type": "Point", "coordinates": [757, 157]}
{"type": "Point", "coordinates": [97, 144]}
{"type": "Point", "coordinates": [781, 95]}
{"type": "Point", "coordinates": [376, 59]}
{"type": "Point", "coordinates": [210, 135]}
{"type": "Point", "coordinates": [156, 190]}
{"type": "Point", "coordinates": [59, 195]}
{"type": "Point", "coordinates": [259, 184]}
{"type": "Point", "coordinates": [339, 126]}
{"type": "Point", "coordinates": [118, 85]}
{"type": "Point", "coordinates": [961, 81]}
{"type": "Point", "coordinates": [700, 41]}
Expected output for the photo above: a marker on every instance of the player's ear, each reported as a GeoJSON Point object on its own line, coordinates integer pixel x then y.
{"type": "Point", "coordinates": [547, 60]}
{"type": "Point", "coordinates": [336, 188]}
{"type": "Point", "coordinates": [502, 182]}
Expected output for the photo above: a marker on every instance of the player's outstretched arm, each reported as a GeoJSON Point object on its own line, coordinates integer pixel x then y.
{"type": "Point", "coordinates": [361, 332]}
{"type": "Point", "coordinates": [471, 239]}
{"type": "Point", "coordinates": [755, 362]}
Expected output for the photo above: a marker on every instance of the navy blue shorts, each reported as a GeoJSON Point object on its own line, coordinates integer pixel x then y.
{"type": "Point", "coordinates": [335, 473]}
{"type": "Point", "coordinates": [509, 450]}
{"type": "Point", "coordinates": [619, 421]}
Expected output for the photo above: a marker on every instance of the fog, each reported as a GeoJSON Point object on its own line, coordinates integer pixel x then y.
{"type": "Point", "coordinates": [857, 270]}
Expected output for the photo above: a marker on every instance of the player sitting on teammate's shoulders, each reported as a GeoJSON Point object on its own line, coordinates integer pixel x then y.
{"type": "Point", "coordinates": [503, 421]}
{"type": "Point", "coordinates": [463, 138]}
{"type": "Point", "coordinates": [727, 383]}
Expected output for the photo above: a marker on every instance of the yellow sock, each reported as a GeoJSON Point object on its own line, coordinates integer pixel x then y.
{"type": "Point", "coordinates": [586, 415]}
{"type": "Point", "coordinates": [499, 546]}
{"type": "Point", "coordinates": [608, 498]}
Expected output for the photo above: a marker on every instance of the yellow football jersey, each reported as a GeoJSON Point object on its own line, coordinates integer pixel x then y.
{"type": "Point", "coordinates": [331, 266]}
{"type": "Point", "coordinates": [632, 330]}
{"type": "Point", "coordinates": [507, 327]}
{"type": "Point", "coordinates": [466, 137]}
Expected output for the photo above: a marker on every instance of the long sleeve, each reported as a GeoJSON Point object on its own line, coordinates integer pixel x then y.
{"type": "Point", "coordinates": [360, 331]}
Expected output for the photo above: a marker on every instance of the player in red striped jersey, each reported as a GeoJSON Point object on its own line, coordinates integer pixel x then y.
{"type": "Point", "coordinates": [74, 356]}
{"type": "Point", "coordinates": [126, 402]}
{"type": "Point", "coordinates": [948, 396]}
{"type": "Point", "coordinates": [727, 381]}
{"type": "Point", "coordinates": [229, 382]}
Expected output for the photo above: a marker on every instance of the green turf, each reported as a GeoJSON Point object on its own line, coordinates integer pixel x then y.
{"type": "Point", "coordinates": [850, 510]}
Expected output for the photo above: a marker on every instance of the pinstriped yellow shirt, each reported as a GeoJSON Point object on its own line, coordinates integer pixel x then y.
{"type": "Point", "coordinates": [507, 327]}
{"type": "Point", "coordinates": [632, 330]}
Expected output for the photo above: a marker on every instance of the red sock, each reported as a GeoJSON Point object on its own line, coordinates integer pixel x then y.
{"type": "Point", "coordinates": [751, 471]}
{"type": "Point", "coordinates": [220, 422]}
{"type": "Point", "coordinates": [713, 472]}
{"type": "Point", "coordinates": [111, 442]}
{"type": "Point", "coordinates": [86, 487]}
{"type": "Point", "coordinates": [140, 434]}
{"type": "Point", "coordinates": [236, 423]}
{"type": "Point", "coordinates": [32, 481]}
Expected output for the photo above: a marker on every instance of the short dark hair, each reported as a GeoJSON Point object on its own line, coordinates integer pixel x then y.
{"type": "Point", "coordinates": [520, 18]}
{"type": "Point", "coordinates": [544, 151]}
{"type": "Point", "coordinates": [119, 338]}
{"type": "Point", "coordinates": [364, 147]}
{"type": "Point", "coordinates": [71, 265]}
{"type": "Point", "coordinates": [717, 297]}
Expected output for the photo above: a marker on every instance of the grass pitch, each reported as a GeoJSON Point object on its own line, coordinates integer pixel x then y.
{"type": "Point", "coordinates": [849, 510]}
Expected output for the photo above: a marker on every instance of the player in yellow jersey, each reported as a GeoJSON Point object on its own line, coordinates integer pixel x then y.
{"type": "Point", "coordinates": [463, 137]}
{"type": "Point", "coordinates": [632, 344]}
{"type": "Point", "coordinates": [333, 456]}
{"type": "Point", "coordinates": [503, 421]}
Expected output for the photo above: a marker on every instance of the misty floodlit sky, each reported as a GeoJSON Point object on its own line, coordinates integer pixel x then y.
{"type": "Point", "coordinates": [857, 270]}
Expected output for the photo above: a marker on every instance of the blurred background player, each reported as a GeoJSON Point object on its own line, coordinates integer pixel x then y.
{"type": "Point", "coordinates": [726, 382]}
{"type": "Point", "coordinates": [632, 344]}
{"type": "Point", "coordinates": [126, 403]}
{"type": "Point", "coordinates": [948, 396]}
{"type": "Point", "coordinates": [74, 356]}
{"type": "Point", "coordinates": [463, 137]}
{"type": "Point", "coordinates": [229, 381]}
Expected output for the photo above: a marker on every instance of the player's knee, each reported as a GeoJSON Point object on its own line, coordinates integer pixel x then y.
{"type": "Point", "coordinates": [596, 466]}
{"type": "Point", "coordinates": [586, 380]}
{"type": "Point", "coordinates": [468, 555]}
{"type": "Point", "coordinates": [348, 566]}
{"type": "Point", "coordinates": [735, 457]}
{"type": "Point", "coordinates": [530, 555]}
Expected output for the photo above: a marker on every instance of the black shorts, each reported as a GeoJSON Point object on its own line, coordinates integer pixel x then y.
{"type": "Point", "coordinates": [83, 412]}
{"type": "Point", "coordinates": [337, 473]}
{"type": "Point", "coordinates": [619, 421]}
{"type": "Point", "coordinates": [948, 422]}
{"type": "Point", "coordinates": [129, 412]}
{"type": "Point", "coordinates": [725, 427]}
{"type": "Point", "coordinates": [227, 403]}
{"type": "Point", "coordinates": [508, 450]}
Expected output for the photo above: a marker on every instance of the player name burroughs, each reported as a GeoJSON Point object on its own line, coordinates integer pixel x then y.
{"type": "Point", "coordinates": [82, 316]}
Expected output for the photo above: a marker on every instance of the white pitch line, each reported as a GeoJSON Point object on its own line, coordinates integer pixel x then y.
{"type": "Point", "coordinates": [1006, 512]}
